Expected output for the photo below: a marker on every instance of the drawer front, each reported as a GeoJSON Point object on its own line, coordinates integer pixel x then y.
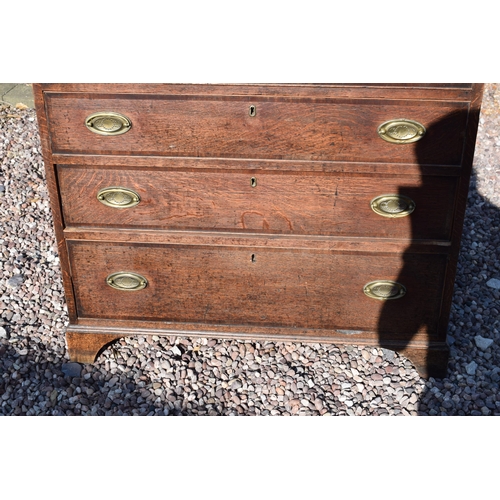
{"type": "Point", "coordinates": [292, 129]}
{"type": "Point", "coordinates": [257, 202]}
{"type": "Point", "coordinates": [256, 286]}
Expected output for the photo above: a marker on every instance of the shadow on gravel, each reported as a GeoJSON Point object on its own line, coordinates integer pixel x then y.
{"type": "Point", "coordinates": [41, 385]}
{"type": "Point", "coordinates": [472, 371]}
{"type": "Point", "coordinates": [473, 308]}
{"type": "Point", "coordinates": [38, 385]}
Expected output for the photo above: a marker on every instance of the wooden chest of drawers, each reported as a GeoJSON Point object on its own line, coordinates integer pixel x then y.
{"type": "Point", "coordinates": [320, 213]}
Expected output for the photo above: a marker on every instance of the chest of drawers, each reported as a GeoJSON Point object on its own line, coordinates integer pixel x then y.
{"type": "Point", "coordinates": [319, 213]}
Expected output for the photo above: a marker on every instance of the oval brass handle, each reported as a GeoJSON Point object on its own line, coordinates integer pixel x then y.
{"type": "Point", "coordinates": [384, 290]}
{"type": "Point", "coordinates": [129, 282]}
{"type": "Point", "coordinates": [118, 197]}
{"type": "Point", "coordinates": [401, 131]}
{"type": "Point", "coordinates": [392, 205]}
{"type": "Point", "coordinates": [108, 123]}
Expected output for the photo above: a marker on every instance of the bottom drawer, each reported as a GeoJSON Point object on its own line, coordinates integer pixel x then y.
{"type": "Point", "coordinates": [255, 286]}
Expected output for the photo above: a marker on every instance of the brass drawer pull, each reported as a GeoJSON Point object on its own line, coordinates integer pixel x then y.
{"type": "Point", "coordinates": [401, 131]}
{"type": "Point", "coordinates": [108, 123]}
{"type": "Point", "coordinates": [118, 197]}
{"type": "Point", "coordinates": [392, 205]}
{"type": "Point", "coordinates": [129, 282]}
{"type": "Point", "coordinates": [384, 290]}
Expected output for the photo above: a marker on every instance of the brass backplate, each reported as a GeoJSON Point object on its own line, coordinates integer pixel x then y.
{"type": "Point", "coordinates": [127, 281]}
{"type": "Point", "coordinates": [401, 131]}
{"type": "Point", "coordinates": [392, 205]}
{"type": "Point", "coordinates": [118, 197]}
{"type": "Point", "coordinates": [108, 123]}
{"type": "Point", "coordinates": [384, 290]}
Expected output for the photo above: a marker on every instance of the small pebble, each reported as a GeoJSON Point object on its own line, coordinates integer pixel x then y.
{"type": "Point", "coordinates": [471, 368]}
{"type": "Point", "coordinates": [494, 283]}
{"type": "Point", "coordinates": [15, 281]}
{"type": "Point", "coordinates": [176, 351]}
{"type": "Point", "coordinates": [482, 342]}
{"type": "Point", "coordinates": [71, 369]}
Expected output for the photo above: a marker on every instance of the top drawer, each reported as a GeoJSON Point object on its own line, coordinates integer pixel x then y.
{"type": "Point", "coordinates": [258, 127]}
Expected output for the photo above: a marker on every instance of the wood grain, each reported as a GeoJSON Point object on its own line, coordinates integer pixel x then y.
{"type": "Point", "coordinates": [119, 162]}
{"type": "Point", "coordinates": [84, 347]}
{"type": "Point", "coordinates": [286, 203]}
{"type": "Point", "coordinates": [409, 91]}
{"type": "Point", "coordinates": [344, 244]}
{"type": "Point", "coordinates": [282, 129]}
{"type": "Point", "coordinates": [87, 338]}
{"type": "Point", "coordinates": [243, 286]}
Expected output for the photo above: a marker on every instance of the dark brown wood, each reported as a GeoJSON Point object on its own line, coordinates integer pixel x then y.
{"type": "Point", "coordinates": [433, 91]}
{"type": "Point", "coordinates": [236, 164]}
{"type": "Point", "coordinates": [85, 347]}
{"type": "Point", "coordinates": [296, 242]}
{"type": "Point", "coordinates": [285, 260]}
{"type": "Point", "coordinates": [246, 332]}
{"type": "Point", "coordinates": [282, 129]}
{"type": "Point", "coordinates": [429, 358]}
{"type": "Point", "coordinates": [318, 204]}
{"type": "Point", "coordinates": [243, 285]}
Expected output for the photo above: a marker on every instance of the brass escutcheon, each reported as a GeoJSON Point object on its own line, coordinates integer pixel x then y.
{"type": "Point", "coordinates": [392, 205]}
{"type": "Point", "coordinates": [108, 123]}
{"type": "Point", "coordinates": [384, 290]}
{"type": "Point", "coordinates": [252, 110]}
{"type": "Point", "coordinates": [126, 281]}
{"type": "Point", "coordinates": [253, 182]}
{"type": "Point", "coordinates": [401, 131]}
{"type": "Point", "coordinates": [118, 197]}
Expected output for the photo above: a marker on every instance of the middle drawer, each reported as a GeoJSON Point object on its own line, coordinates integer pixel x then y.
{"type": "Point", "coordinates": [307, 203]}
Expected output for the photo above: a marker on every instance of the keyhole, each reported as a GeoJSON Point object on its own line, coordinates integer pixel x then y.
{"type": "Point", "coordinates": [253, 258]}
{"type": "Point", "coordinates": [253, 182]}
{"type": "Point", "coordinates": [252, 111]}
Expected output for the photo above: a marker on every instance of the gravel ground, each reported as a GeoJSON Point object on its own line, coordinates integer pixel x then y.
{"type": "Point", "coordinates": [178, 376]}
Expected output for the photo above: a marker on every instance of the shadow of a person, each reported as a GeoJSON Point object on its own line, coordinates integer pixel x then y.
{"type": "Point", "coordinates": [429, 263]}
{"type": "Point", "coordinates": [474, 373]}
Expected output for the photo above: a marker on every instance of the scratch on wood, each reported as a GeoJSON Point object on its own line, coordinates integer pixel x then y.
{"type": "Point", "coordinates": [206, 311]}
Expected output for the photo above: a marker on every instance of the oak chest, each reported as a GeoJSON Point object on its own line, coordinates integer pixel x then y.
{"type": "Point", "coordinates": [321, 213]}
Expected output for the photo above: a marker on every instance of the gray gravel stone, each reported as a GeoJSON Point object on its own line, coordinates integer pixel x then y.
{"type": "Point", "coordinates": [71, 369]}
{"type": "Point", "coordinates": [471, 368]}
{"type": "Point", "coordinates": [236, 384]}
{"type": "Point", "coordinates": [175, 350]}
{"type": "Point", "coordinates": [494, 283]}
{"type": "Point", "coordinates": [388, 354]}
{"type": "Point", "coordinates": [482, 342]}
{"type": "Point", "coordinates": [15, 281]}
